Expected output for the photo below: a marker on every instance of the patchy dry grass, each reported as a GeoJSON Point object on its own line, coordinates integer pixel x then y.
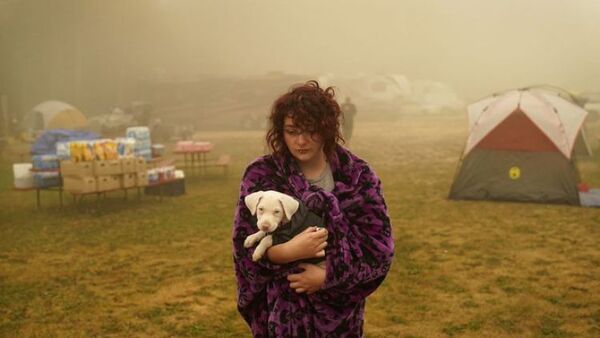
{"type": "Point", "coordinates": [155, 268]}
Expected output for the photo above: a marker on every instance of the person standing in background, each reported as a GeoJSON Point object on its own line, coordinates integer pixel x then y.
{"type": "Point", "coordinates": [349, 110]}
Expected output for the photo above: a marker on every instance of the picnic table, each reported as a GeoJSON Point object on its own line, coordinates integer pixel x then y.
{"type": "Point", "coordinates": [195, 156]}
{"type": "Point", "coordinates": [194, 153]}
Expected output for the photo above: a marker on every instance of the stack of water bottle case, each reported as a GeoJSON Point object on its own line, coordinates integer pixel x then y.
{"type": "Point", "coordinates": [142, 143]}
{"type": "Point", "coordinates": [103, 165]}
{"type": "Point", "coordinates": [102, 170]}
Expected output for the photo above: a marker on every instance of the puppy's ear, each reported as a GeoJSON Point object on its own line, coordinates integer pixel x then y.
{"type": "Point", "coordinates": [252, 200]}
{"type": "Point", "coordinates": [290, 205]}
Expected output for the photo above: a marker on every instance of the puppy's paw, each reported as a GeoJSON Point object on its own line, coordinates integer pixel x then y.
{"type": "Point", "coordinates": [256, 256]}
{"type": "Point", "coordinates": [248, 242]}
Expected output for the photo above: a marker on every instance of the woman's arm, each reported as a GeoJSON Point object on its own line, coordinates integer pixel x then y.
{"type": "Point", "coordinates": [308, 244]}
{"type": "Point", "coordinates": [279, 254]}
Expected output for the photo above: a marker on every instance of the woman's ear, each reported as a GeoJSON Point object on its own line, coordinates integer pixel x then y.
{"type": "Point", "coordinates": [252, 201]}
{"type": "Point", "coordinates": [290, 205]}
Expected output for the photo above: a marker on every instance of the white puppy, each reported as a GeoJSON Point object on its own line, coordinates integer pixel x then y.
{"type": "Point", "coordinates": [272, 209]}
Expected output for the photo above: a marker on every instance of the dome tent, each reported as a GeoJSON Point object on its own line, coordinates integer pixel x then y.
{"type": "Point", "coordinates": [520, 148]}
{"type": "Point", "coordinates": [55, 115]}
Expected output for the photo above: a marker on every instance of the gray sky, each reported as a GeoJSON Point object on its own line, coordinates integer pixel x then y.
{"type": "Point", "coordinates": [475, 46]}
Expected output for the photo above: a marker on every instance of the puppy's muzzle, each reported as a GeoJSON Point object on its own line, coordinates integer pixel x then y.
{"type": "Point", "coordinates": [265, 226]}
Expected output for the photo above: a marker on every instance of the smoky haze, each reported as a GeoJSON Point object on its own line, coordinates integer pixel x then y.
{"type": "Point", "coordinates": [95, 53]}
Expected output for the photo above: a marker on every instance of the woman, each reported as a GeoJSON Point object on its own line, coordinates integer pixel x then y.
{"type": "Point", "coordinates": [279, 296]}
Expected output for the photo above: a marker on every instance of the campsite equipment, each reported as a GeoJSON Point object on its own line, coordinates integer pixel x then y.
{"type": "Point", "coordinates": [54, 115]}
{"type": "Point", "coordinates": [23, 177]}
{"type": "Point", "coordinates": [520, 148]}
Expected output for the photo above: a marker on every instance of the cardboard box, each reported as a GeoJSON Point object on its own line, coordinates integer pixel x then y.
{"type": "Point", "coordinates": [128, 180]}
{"type": "Point", "coordinates": [140, 164]}
{"type": "Point", "coordinates": [141, 178]}
{"type": "Point", "coordinates": [128, 165]}
{"type": "Point", "coordinates": [107, 167]}
{"type": "Point", "coordinates": [76, 169]}
{"type": "Point", "coordinates": [80, 185]}
{"type": "Point", "coordinates": [110, 182]}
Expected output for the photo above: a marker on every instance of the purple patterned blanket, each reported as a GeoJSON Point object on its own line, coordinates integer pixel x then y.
{"type": "Point", "coordinates": [358, 255]}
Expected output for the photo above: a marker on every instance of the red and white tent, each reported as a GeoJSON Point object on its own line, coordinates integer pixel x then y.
{"type": "Point", "coordinates": [520, 148]}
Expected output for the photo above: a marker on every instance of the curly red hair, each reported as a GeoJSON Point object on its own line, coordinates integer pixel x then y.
{"type": "Point", "coordinates": [312, 109]}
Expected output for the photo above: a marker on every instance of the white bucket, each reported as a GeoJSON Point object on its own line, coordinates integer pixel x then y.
{"type": "Point", "coordinates": [23, 175]}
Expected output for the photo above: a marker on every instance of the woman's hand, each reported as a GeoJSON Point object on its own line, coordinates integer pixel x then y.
{"type": "Point", "coordinates": [310, 280]}
{"type": "Point", "coordinates": [310, 243]}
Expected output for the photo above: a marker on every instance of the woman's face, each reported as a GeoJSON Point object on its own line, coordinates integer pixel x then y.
{"type": "Point", "coordinates": [304, 146]}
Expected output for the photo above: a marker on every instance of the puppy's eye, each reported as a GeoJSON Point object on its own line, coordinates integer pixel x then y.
{"type": "Point", "coordinates": [261, 209]}
{"type": "Point", "coordinates": [276, 212]}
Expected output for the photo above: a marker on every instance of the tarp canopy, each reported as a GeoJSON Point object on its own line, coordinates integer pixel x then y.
{"type": "Point", "coordinates": [55, 115]}
{"type": "Point", "coordinates": [46, 143]}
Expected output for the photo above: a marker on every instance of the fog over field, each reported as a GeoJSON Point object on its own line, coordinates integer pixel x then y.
{"type": "Point", "coordinates": [94, 53]}
{"type": "Point", "coordinates": [108, 264]}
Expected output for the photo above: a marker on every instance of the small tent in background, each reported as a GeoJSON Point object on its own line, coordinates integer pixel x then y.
{"type": "Point", "coordinates": [520, 148]}
{"type": "Point", "coordinates": [54, 115]}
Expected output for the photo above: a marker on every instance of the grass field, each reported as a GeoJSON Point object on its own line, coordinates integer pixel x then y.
{"type": "Point", "coordinates": [153, 268]}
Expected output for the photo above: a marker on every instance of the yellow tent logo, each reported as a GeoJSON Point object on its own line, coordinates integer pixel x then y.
{"type": "Point", "coordinates": [514, 173]}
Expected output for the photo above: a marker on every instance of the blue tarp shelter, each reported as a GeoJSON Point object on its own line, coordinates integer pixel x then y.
{"type": "Point", "coordinates": [46, 143]}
